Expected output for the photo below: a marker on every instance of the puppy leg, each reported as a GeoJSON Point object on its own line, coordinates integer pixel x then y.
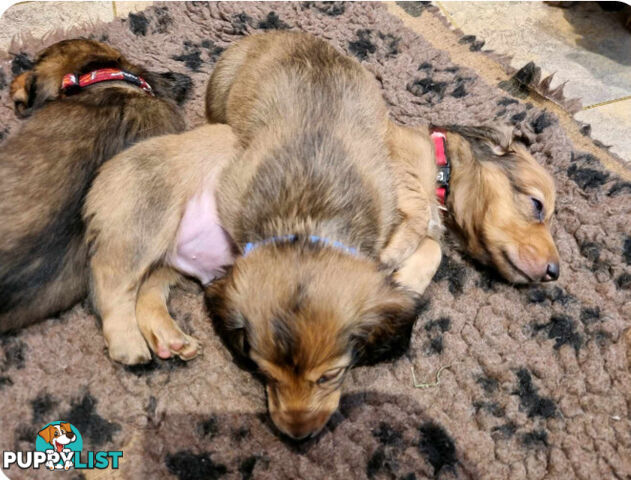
{"type": "Point", "coordinates": [415, 212]}
{"type": "Point", "coordinates": [156, 324]}
{"type": "Point", "coordinates": [407, 150]}
{"type": "Point", "coordinates": [115, 299]}
{"type": "Point", "coordinates": [419, 269]}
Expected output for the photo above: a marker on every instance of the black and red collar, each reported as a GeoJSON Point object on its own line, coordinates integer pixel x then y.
{"type": "Point", "coordinates": [439, 138]}
{"type": "Point", "coordinates": [72, 81]}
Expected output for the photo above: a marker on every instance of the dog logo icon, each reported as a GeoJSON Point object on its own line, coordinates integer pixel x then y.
{"type": "Point", "coordinates": [60, 441]}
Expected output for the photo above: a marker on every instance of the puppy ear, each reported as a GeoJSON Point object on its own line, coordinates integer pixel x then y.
{"type": "Point", "coordinates": [385, 329]}
{"type": "Point", "coordinates": [231, 326]}
{"type": "Point", "coordinates": [172, 85]}
{"type": "Point", "coordinates": [22, 93]}
{"type": "Point", "coordinates": [497, 138]}
{"type": "Point", "coordinates": [66, 427]}
{"type": "Point", "coordinates": [31, 91]}
{"type": "Point", "coordinates": [47, 433]}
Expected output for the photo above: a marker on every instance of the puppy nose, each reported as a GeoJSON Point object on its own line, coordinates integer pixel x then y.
{"type": "Point", "coordinates": [552, 272]}
{"type": "Point", "coordinates": [298, 432]}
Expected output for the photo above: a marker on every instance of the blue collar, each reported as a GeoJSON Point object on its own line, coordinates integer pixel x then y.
{"type": "Point", "coordinates": [292, 238]}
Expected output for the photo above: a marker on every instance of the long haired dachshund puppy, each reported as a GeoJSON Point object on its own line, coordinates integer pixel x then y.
{"type": "Point", "coordinates": [307, 197]}
{"type": "Point", "coordinates": [500, 202]}
{"type": "Point", "coordinates": [312, 205]}
{"type": "Point", "coordinates": [151, 217]}
{"type": "Point", "coordinates": [47, 167]}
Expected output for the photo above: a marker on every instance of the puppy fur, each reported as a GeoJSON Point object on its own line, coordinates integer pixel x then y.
{"type": "Point", "coordinates": [133, 213]}
{"type": "Point", "coordinates": [313, 126]}
{"type": "Point", "coordinates": [500, 204]}
{"type": "Point", "coordinates": [48, 166]}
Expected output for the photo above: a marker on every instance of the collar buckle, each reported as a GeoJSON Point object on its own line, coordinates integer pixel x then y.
{"type": "Point", "coordinates": [443, 175]}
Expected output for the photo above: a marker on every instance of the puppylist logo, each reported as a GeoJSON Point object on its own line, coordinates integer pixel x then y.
{"type": "Point", "coordinates": [59, 446]}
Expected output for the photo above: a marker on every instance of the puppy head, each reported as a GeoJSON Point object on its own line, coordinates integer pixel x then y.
{"type": "Point", "coordinates": [305, 315]}
{"type": "Point", "coordinates": [32, 89]}
{"type": "Point", "coordinates": [502, 202]}
{"type": "Point", "coordinates": [61, 433]}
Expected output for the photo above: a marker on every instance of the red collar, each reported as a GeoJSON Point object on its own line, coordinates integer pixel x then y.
{"type": "Point", "coordinates": [439, 138]}
{"type": "Point", "coordinates": [72, 81]}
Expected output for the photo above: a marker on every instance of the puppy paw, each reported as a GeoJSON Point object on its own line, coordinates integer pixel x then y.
{"type": "Point", "coordinates": [418, 270]}
{"type": "Point", "coordinates": [128, 348]}
{"type": "Point", "coordinates": [166, 339]}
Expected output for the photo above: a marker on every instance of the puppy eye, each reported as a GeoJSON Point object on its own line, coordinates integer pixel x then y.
{"type": "Point", "coordinates": [538, 206]}
{"type": "Point", "coordinates": [330, 375]}
{"type": "Point", "coordinates": [56, 434]}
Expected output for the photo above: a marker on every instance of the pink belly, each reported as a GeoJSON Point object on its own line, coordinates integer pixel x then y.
{"type": "Point", "coordinates": [203, 247]}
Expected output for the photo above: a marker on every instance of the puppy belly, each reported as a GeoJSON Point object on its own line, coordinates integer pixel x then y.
{"type": "Point", "coordinates": [203, 247]}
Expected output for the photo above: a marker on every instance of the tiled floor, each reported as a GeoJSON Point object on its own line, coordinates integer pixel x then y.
{"type": "Point", "coordinates": [584, 46]}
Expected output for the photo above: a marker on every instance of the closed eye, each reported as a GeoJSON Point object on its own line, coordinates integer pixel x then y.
{"type": "Point", "coordinates": [331, 375]}
{"type": "Point", "coordinates": [538, 209]}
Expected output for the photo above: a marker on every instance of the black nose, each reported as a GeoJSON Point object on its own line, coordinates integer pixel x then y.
{"type": "Point", "coordinates": [552, 272]}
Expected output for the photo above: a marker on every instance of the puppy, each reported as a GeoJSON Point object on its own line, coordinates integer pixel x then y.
{"type": "Point", "coordinates": [311, 204]}
{"type": "Point", "coordinates": [151, 218]}
{"type": "Point", "coordinates": [499, 201]}
{"type": "Point", "coordinates": [58, 436]}
{"type": "Point", "coordinates": [48, 165]}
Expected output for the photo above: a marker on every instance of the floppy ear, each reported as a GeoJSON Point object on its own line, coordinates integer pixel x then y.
{"type": "Point", "coordinates": [22, 94]}
{"type": "Point", "coordinates": [230, 324]}
{"type": "Point", "coordinates": [173, 85]}
{"type": "Point", "coordinates": [47, 433]}
{"type": "Point", "coordinates": [66, 427]}
{"type": "Point", "coordinates": [385, 329]}
{"type": "Point", "coordinates": [497, 138]}
{"type": "Point", "coordinates": [31, 91]}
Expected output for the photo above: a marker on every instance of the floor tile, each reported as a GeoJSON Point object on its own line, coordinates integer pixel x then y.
{"type": "Point", "coordinates": [584, 46]}
{"type": "Point", "coordinates": [38, 18]}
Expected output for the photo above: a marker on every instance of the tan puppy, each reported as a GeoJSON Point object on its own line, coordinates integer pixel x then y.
{"type": "Point", "coordinates": [309, 197]}
{"type": "Point", "coordinates": [500, 204]}
{"type": "Point", "coordinates": [312, 203]}
{"type": "Point", "coordinates": [150, 218]}
{"type": "Point", "coordinates": [47, 166]}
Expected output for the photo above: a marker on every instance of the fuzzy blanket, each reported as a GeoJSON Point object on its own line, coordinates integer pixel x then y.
{"type": "Point", "coordinates": [536, 383]}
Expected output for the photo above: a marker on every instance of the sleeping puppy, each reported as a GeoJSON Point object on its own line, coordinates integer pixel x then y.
{"type": "Point", "coordinates": [311, 204]}
{"type": "Point", "coordinates": [308, 201]}
{"type": "Point", "coordinates": [499, 201]}
{"type": "Point", "coordinates": [48, 165]}
{"type": "Point", "coordinates": [151, 218]}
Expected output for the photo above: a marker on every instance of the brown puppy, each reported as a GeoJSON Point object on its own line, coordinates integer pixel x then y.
{"type": "Point", "coordinates": [500, 204]}
{"type": "Point", "coordinates": [47, 166]}
{"type": "Point", "coordinates": [151, 217]}
{"type": "Point", "coordinates": [312, 203]}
